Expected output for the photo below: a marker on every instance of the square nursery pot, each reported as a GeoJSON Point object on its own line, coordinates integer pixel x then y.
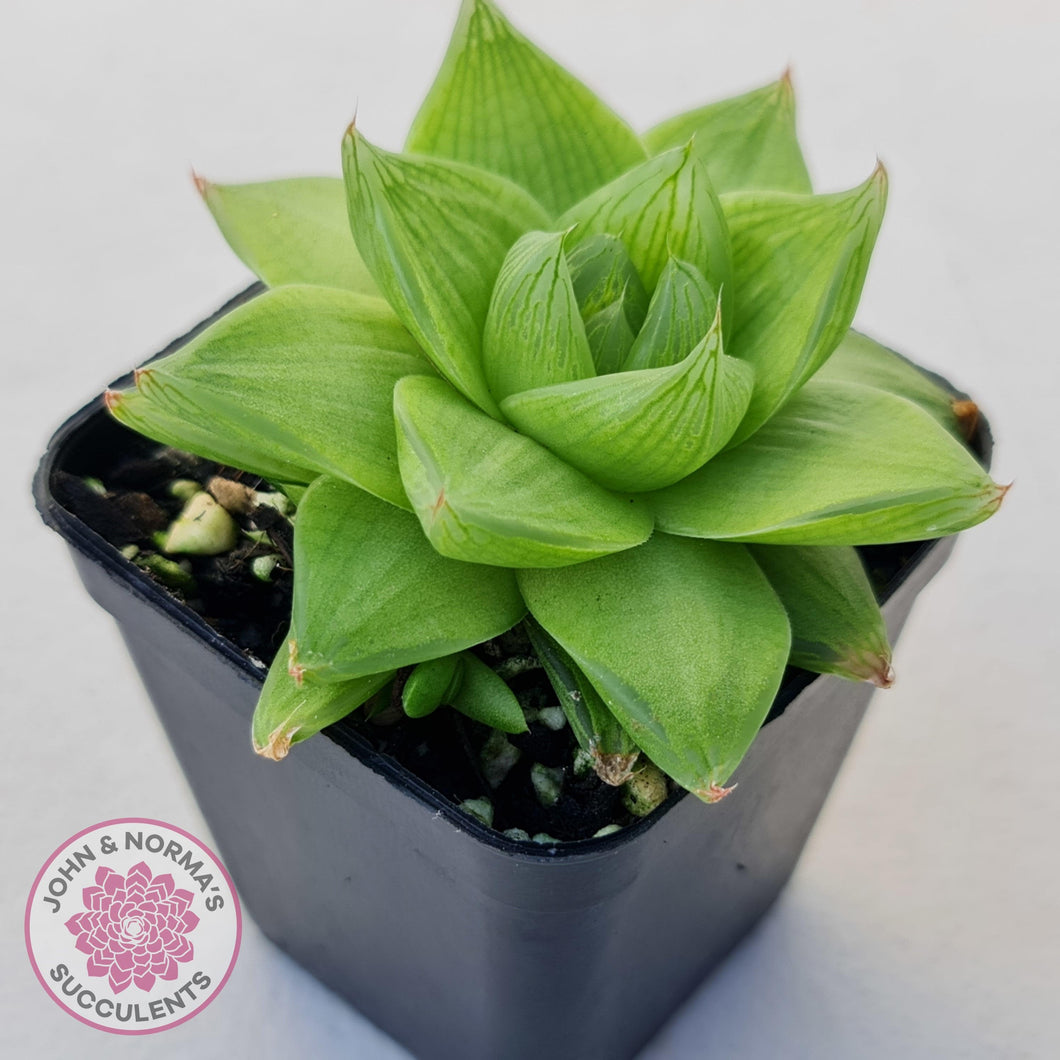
{"type": "Point", "coordinates": [455, 940]}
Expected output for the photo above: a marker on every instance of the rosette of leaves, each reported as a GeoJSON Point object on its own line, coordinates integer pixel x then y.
{"type": "Point", "coordinates": [539, 367]}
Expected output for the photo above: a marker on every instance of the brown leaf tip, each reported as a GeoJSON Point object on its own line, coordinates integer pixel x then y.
{"type": "Point", "coordinates": [202, 185]}
{"type": "Point", "coordinates": [111, 399]}
{"type": "Point", "coordinates": [967, 414]}
{"type": "Point", "coordinates": [787, 89]}
{"type": "Point", "coordinates": [867, 664]}
{"type": "Point", "coordinates": [278, 746]}
{"type": "Point", "coordinates": [714, 792]}
{"type": "Point", "coordinates": [883, 676]}
{"type": "Point", "coordinates": [878, 176]}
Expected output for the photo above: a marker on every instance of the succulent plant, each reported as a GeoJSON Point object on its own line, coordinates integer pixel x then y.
{"type": "Point", "coordinates": [569, 376]}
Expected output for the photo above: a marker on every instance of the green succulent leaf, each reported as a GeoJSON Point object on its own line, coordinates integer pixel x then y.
{"type": "Point", "coordinates": [370, 594]}
{"type": "Point", "coordinates": [685, 641]}
{"type": "Point", "coordinates": [484, 697]}
{"type": "Point", "coordinates": [680, 314]}
{"type": "Point", "coordinates": [836, 624]}
{"type": "Point", "coordinates": [800, 264]}
{"type": "Point", "coordinates": [288, 713]}
{"type": "Point", "coordinates": [434, 234]}
{"type": "Point", "coordinates": [295, 383]}
{"type": "Point", "coordinates": [500, 103]}
{"type": "Point", "coordinates": [642, 430]}
{"type": "Point", "coordinates": [292, 231]}
{"type": "Point", "coordinates": [609, 337]}
{"type": "Point", "coordinates": [596, 729]}
{"type": "Point", "coordinates": [840, 464]}
{"type": "Point", "coordinates": [431, 684]}
{"type": "Point", "coordinates": [534, 332]}
{"type": "Point", "coordinates": [602, 273]}
{"type": "Point", "coordinates": [488, 495]}
{"type": "Point", "coordinates": [859, 359]}
{"type": "Point", "coordinates": [663, 207]}
{"type": "Point", "coordinates": [745, 142]}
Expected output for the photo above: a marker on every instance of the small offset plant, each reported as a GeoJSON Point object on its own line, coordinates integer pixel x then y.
{"type": "Point", "coordinates": [540, 369]}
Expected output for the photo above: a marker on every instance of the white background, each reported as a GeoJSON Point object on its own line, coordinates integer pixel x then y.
{"type": "Point", "coordinates": [923, 920]}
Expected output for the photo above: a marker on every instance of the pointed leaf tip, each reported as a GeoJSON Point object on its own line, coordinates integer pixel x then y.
{"type": "Point", "coordinates": [111, 399]}
{"type": "Point", "coordinates": [202, 185]}
{"type": "Point", "coordinates": [351, 129]}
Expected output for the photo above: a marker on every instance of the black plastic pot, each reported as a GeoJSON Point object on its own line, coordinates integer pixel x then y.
{"type": "Point", "coordinates": [453, 939]}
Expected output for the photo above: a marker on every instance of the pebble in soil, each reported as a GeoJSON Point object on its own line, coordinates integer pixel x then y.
{"type": "Point", "coordinates": [444, 751]}
{"type": "Point", "coordinates": [130, 503]}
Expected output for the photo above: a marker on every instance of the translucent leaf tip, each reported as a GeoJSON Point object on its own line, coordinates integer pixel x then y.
{"type": "Point", "coordinates": [351, 129]}
{"type": "Point", "coordinates": [998, 495]}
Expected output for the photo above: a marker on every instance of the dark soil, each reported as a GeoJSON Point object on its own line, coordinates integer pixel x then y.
{"type": "Point", "coordinates": [129, 502]}
{"type": "Point", "coordinates": [137, 504]}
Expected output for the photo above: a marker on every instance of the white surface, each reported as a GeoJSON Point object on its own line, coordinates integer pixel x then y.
{"type": "Point", "coordinates": [923, 920]}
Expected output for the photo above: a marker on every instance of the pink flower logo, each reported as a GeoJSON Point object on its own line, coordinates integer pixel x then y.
{"type": "Point", "coordinates": [134, 927]}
